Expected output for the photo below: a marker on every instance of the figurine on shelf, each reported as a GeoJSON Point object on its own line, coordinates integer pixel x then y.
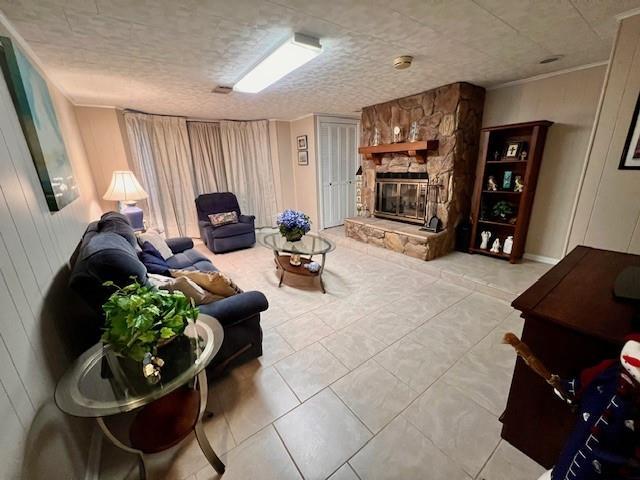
{"type": "Point", "coordinates": [496, 156]}
{"type": "Point", "coordinates": [376, 137]}
{"type": "Point", "coordinates": [413, 132]}
{"type": "Point", "coordinates": [492, 186]}
{"type": "Point", "coordinates": [495, 248]}
{"type": "Point", "coordinates": [519, 186]}
{"type": "Point", "coordinates": [485, 236]}
{"type": "Point", "coordinates": [508, 245]}
{"type": "Point", "coordinates": [523, 155]}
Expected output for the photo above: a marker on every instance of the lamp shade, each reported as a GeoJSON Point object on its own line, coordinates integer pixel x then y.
{"type": "Point", "coordinates": [124, 187]}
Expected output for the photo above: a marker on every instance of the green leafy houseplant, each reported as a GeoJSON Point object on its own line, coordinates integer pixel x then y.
{"type": "Point", "coordinates": [141, 318]}
{"type": "Point", "coordinates": [503, 209]}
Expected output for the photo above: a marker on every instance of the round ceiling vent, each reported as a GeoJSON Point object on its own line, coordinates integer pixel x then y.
{"type": "Point", "coordinates": [402, 62]}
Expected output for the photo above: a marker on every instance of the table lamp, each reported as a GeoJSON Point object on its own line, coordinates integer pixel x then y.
{"type": "Point", "coordinates": [126, 189]}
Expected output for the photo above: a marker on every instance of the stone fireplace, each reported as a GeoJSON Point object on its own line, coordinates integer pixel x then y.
{"type": "Point", "coordinates": [452, 115]}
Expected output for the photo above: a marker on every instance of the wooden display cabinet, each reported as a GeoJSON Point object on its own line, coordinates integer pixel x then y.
{"type": "Point", "coordinates": [493, 160]}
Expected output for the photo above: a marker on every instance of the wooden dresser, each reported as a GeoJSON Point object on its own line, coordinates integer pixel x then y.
{"type": "Point", "coordinates": [572, 321]}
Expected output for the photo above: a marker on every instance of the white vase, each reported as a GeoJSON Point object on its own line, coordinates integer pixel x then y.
{"type": "Point", "coordinates": [508, 245]}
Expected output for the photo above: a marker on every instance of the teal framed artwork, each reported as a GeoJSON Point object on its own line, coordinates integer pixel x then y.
{"type": "Point", "coordinates": [39, 123]}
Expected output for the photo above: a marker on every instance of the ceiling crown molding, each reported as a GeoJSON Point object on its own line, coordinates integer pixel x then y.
{"type": "Point", "coordinates": [542, 76]}
{"type": "Point", "coordinates": [629, 13]}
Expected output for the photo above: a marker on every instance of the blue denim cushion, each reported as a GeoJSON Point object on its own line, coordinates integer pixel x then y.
{"type": "Point", "coordinates": [153, 260]}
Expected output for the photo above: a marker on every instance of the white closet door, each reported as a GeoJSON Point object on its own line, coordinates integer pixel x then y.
{"type": "Point", "coordinates": [338, 143]}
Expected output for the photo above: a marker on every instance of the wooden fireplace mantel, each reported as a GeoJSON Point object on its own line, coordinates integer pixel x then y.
{"type": "Point", "coordinates": [412, 149]}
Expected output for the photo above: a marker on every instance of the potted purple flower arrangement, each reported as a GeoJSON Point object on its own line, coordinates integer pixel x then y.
{"type": "Point", "coordinates": [293, 224]}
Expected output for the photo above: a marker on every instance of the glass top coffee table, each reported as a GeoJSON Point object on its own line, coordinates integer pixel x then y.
{"type": "Point", "coordinates": [285, 252]}
{"type": "Point", "coordinates": [100, 384]}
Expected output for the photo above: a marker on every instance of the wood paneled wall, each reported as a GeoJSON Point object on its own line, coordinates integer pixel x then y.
{"type": "Point", "coordinates": [37, 440]}
{"type": "Point", "coordinates": [608, 210]}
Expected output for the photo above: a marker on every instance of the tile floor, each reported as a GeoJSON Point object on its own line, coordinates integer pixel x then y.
{"type": "Point", "coordinates": [396, 373]}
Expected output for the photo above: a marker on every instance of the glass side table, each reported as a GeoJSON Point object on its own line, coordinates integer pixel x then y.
{"type": "Point", "coordinates": [309, 245]}
{"type": "Point", "coordinates": [100, 384]}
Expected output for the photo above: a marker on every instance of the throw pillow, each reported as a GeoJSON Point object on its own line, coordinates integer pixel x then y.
{"type": "Point", "coordinates": [224, 218]}
{"type": "Point", "coordinates": [215, 282]}
{"type": "Point", "coordinates": [152, 259]}
{"type": "Point", "coordinates": [183, 284]}
{"type": "Point", "coordinates": [157, 241]}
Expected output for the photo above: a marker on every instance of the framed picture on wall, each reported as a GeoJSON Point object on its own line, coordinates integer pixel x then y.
{"type": "Point", "coordinates": [39, 123]}
{"type": "Point", "coordinates": [302, 142]}
{"type": "Point", "coordinates": [303, 157]}
{"type": "Point", "coordinates": [631, 154]}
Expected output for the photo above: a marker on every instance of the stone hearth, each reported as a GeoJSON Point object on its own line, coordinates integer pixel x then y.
{"type": "Point", "coordinates": [397, 236]}
{"type": "Point", "coordinates": [451, 114]}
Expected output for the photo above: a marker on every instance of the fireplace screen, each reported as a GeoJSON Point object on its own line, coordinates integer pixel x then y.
{"type": "Point", "coordinates": [401, 199]}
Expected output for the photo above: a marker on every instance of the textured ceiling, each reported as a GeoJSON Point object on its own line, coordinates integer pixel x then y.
{"type": "Point", "coordinates": [165, 56]}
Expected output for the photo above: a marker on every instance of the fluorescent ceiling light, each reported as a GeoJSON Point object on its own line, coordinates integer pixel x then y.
{"type": "Point", "coordinates": [292, 54]}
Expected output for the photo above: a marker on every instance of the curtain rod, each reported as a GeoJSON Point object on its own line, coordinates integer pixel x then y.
{"type": "Point", "coordinates": [191, 119]}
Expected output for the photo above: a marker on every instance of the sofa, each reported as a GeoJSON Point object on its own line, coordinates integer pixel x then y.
{"type": "Point", "coordinates": [224, 238]}
{"type": "Point", "coordinates": [108, 251]}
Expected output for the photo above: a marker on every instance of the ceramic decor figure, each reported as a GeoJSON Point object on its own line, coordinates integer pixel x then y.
{"type": "Point", "coordinates": [508, 245]}
{"type": "Point", "coordinates": [495, 248]}
{"type": "Point", "coordinates": [486, 235]}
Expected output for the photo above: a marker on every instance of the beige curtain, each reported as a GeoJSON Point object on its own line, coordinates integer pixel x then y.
{"type": "Point", "coordinates": [236, 157]}
{"type": "Point", "coordinates": [162, 161]}
{"type": "Point", "coordinates": [208, 163]}
{"type": "Point", "coordinates": [247, 155]}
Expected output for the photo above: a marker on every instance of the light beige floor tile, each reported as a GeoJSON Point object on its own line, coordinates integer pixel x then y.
{"type": "Point", "coordinates": [272, 317]}
{"type": "Point", "coordinates": [405, 294]}
{"type": "Point", "coordinates": [304, 330]}
{"type": "Point", "coordinates": [342, 313]}
{"type": "Point", "coordinates": [485, 372]}
{"type": "Point", "coordinates": [508, 463]}
{"type": "Point", "coordinates": [415, 364]}
{"type": "Point", "coordinates": [345, 472]}
{"type": "Point", "coordinates": [310, 370]}
{"type": "Point", "coordinates": [321, 434]}
{"type": "Point", "coordinates": [385, 325]}
{"type": "Point", "coordinates": [429, 301]}
{"type": "Point", "coordinates": [401, 452]}
{"type": "Point", "coordinates": [252, 403]}
{"type": "Point", "coordinates": [353, 345]}
{"type": "Point", "coordinates": [464, 324]}
{"type": "Point", "coordinates": [458, 426]}
{"type": "Point", "coordinates": [274, 348]}
{"type": "Point", "coordinates": [373, 394]}
{"type": "Point", "coordinates": [261, 456]}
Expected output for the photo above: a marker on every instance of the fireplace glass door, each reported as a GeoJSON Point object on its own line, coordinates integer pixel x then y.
{"type": "Point", "coordinates": [408, 200]}
{"type": "Point", "coordinates": [401, 199]}
{"type": "Point", "coordinates": [388, 201]}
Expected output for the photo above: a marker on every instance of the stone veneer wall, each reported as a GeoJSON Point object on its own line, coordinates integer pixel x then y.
{"type": "Point", "coordinates": [451, 114]}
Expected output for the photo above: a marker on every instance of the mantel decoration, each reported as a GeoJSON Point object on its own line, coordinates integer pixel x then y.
{"type": "Point", "coordinates": [39, 123]}
{"type": "Point", "coordinates": [140, 319]}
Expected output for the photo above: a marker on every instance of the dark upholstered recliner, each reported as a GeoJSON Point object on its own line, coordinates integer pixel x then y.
{"type": "Point", "coordinates": [107, 251]}
{"type": "Point", "coordinates": [229, 237]}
